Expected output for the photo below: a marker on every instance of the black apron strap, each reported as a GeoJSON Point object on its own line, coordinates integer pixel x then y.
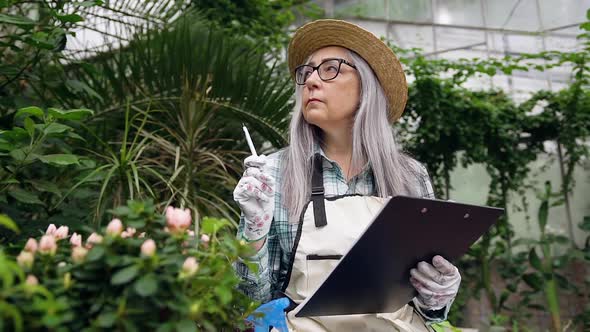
{"type": "Point", "coordinates": [317, 192]}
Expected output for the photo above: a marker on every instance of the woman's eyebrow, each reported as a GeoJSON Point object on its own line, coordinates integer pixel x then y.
{"type": "Point", "coordinates": [312, 63]}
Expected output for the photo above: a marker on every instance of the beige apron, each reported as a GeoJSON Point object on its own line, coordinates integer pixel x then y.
{"type": "Point", "coordinates": [318, 248]}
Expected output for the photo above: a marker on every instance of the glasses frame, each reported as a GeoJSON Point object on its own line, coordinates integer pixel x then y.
{"type": "Point", "coordinates": [316, 68]}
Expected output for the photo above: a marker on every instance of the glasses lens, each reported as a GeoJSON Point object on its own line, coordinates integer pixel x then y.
{"type": "Point", "coordinates": [329, 70]}
{"type": "Point", "coordinates": [302, 73]}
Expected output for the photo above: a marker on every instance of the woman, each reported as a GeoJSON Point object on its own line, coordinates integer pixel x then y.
{"type": "Point", "coordinates": [350, 88]}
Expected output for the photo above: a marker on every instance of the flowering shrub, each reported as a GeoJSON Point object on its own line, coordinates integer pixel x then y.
{"type": "Point", "coordinates": [145, 271]}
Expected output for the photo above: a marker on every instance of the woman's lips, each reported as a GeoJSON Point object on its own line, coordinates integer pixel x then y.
{"type": "Point", "coordinates": [312, 100]}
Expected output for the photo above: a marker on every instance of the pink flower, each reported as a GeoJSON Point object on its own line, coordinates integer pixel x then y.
{"type": "Point", "coordinates": [47, 245]}
{"type": "Point", "coordinates": [177, 220]}
{"type": "Point", "coordinates": [129, 232]}
{"type": "Point", "coordinates": [148, 248]}
{"type": "Point", "coordinates": [191, 233]}
{"type": "Point", "coordinates": [76, 240]}
{"type": "Point", "coordinates": [190, 266]}
{"type": "Point", "coordinates": [25, 259]}
{"type": "Point", "coordinates": [79, 254]}
{"type": "Point", "coordinates": [31, 245]}
{"type": "Point", "coordinates": [205, 238]}
{"type": "Point", "coordinates": [141, 235]}
{"type": "Point", "coordinates": [93, 239]}
{"type": "Point", "coordinates": [50, 229]}
{"type": "Point", "coordinates": [114, 227]}
{"type": "Point", "coordinates": [61, 233]}
{"type": "Point", "coordinates": [32, 280]}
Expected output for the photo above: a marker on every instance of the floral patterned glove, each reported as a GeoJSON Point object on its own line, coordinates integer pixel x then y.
{"type": "Point", "coordinates": [437, 284]}
{"type": "Point", "coordinates": [255, 196]}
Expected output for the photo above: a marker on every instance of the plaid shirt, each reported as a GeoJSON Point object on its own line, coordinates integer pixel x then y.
{"type": "Point", "coordinates": [273, 258]}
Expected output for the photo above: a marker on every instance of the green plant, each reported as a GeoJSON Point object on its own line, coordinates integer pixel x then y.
{"type": "Point", "coordinates": [39, 160]}
{"type": "Point", "coordinates": [197, 101]}
{"type": "Point", "coordinates": [34, 34]}
{"type": "Point", "coordinates": [545, 262]}
{"type": "Point", "coordinates": [121, 174]}
{"type": "Point", "coordinates": [144, 271]}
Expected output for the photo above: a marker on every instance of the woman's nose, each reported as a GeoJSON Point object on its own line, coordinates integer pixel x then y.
{"type": "Point", "coordinates": [313, 80]}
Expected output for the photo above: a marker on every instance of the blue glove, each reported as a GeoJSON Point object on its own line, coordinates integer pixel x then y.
{"type": "Point", "coordinates": [273, 315]}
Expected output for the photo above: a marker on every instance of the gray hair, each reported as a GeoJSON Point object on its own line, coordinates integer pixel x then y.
{"type": "Point", "coordinates": [373, 141]}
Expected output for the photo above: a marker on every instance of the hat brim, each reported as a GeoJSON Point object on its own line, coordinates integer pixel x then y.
{"type": "Point", "coordinates": [321, 33]}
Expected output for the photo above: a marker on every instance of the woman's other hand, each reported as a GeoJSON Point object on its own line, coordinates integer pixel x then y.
{"type": "Point", "coordinates": [437, 283]}
{"type": "Point", "coordinates": [255, 196]}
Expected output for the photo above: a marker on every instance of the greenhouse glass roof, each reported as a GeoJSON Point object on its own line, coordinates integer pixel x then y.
{"type": "Point", "coordinates": [453, 29]}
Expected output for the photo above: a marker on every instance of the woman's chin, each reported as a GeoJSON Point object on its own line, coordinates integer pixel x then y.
{"type": "Point", "coordinates": [315, 120]}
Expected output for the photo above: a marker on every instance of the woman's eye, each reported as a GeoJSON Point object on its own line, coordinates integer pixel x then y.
{"type": "Point", "coordinates": [331, 69]}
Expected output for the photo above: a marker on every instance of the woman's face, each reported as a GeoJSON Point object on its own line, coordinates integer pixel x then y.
{"type": "Point", "coordinates": [331, 104]}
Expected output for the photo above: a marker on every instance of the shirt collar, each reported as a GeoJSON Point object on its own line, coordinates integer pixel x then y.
{"type": "Point", "coordinates": [317, 148]}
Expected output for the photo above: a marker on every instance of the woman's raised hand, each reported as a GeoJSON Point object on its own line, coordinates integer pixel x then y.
{"type": "Point", "coordinates": [255, 196]}
{"type": "Point", "coordinates": [437, 283]}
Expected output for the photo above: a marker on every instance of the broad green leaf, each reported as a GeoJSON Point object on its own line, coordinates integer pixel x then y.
{"type": "Point", "coordinates": [59, 159]}
{"type": "Point", "coordinates": [224, 294]}
{"type": "Point", "coordinates": [91, 3]}
{"type": "Point", "coordinates": [71, 18]}
{"type": "Point", "coordinates": [73, 114]}
{"type": "Point", "coordinates": [56, 128]}
{"type": "Point", "coordinates": [212, 225]}
{"type": "Point", "coordinates": [561, 239]}
{"type": "Point", "coordinates": [7, 222]}
{"type": "Point", "coordinates": [75, 136]}
{"type": "Point", "coordinates": [40, 39]}
{"type": "Point", "coordinates": [120, 211]}
{"type": "Point", "coordinates": [124, 275]}
{"type": "Point", "coordinates": [107, 319]}
{"type": "Point", "coordinates": [186, 326]}
{"type": "Point", "coordinates": [5, 145]}
{"type": "Point", "coordinates": [16, 20]}
{"type": "Point", "coordinates": [46, 186]}
{"type": "Point", "coordinates": [95, 253]}
{"type": "Point", "coordinates": [533, 280]}
{"type": "Point", "coordinates": [32, 110]}
{"type": "Point", "coordinates": [29, 126]}
{"type": "Point", "coordinates": [165, 327]}
{"type": "Point", "coordinates": [24, 196]}
{"type": "Point", "coordinates": [534, 260]}
{"type": "Point", "coordinates": [585, 225]}
{"type": "Point", "coordinates": [146, 285]}
{"type": "Point", "coordinates": [19, 154]}
{"type": "Point", "coordinates": [17, 134]}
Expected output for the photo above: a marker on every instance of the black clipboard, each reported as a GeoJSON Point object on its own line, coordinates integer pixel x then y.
{"type": "Point", "coordinates": [373, 277]}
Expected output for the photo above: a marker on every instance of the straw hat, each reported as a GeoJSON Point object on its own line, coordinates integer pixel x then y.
{"type": "Point", "coordinates": [321, 33]}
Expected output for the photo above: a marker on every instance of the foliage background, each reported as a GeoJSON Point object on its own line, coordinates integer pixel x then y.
{"type": "Point", "coordinates": [156, 115]}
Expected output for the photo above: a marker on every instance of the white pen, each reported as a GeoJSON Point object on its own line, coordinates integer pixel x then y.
{"type": "Point", "coordinates": [249, 140]}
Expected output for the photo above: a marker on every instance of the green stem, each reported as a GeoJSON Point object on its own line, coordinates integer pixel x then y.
{"type": "Point", "coordinates": [486, 277]}
{"type": "Point", "coordinates": [550, 286]}
{"type": "Point", "coordinates": [553, 302]}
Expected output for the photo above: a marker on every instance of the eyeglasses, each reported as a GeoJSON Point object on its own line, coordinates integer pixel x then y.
{"type": "Point", "coordinates": [327, 70]}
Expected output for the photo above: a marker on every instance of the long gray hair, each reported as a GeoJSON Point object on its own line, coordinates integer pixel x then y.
{"type": "Point", "coordinates": [373, 141]}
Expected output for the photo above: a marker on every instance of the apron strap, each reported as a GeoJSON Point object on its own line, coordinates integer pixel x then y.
{"type": "Point", "coordinates": [317, 192]}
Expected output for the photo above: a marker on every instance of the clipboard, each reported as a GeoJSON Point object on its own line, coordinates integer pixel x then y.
{"type": "Point", "coordinates": [373, 276]}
